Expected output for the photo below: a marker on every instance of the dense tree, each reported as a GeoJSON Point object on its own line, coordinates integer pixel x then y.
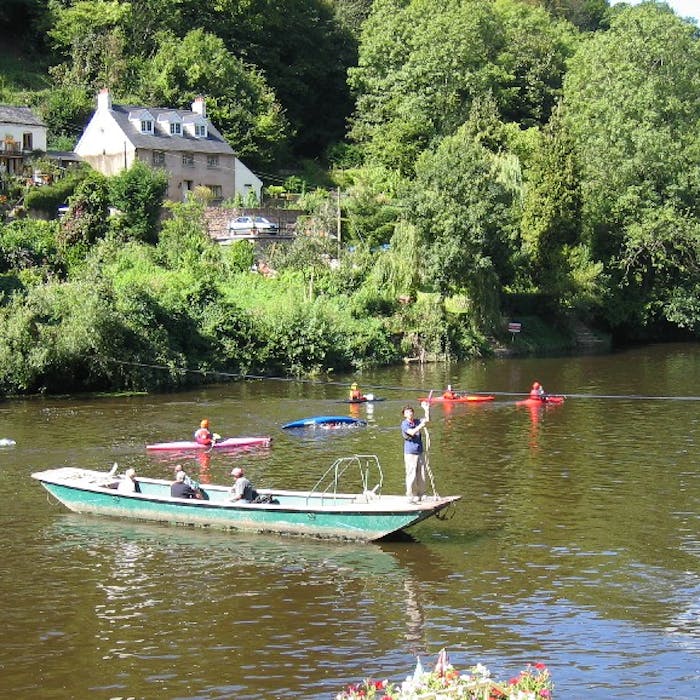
{"type": "Point", "coordinates": [239, 100]}
{"type": "Point", "coordinates": [551, 220]}
{"type": "Point", "coordinates": [587, 15]}
{"type": "Point", "coordinates": [420, 70]}
{"type": "Point", "coordinates": [86, 220]}
{"type": "Point", "coordinates": [631, 97]}
{"type": "Point", "coordinates": [138, 194]}
{"type": "Point", "coordinates": [533, 56]}
{"type": "Point", "coordinates": [302, 50]}
{"type": "Point", "coordinates": [90, 35]}
{"type": "Point", "coordinates": [463, 208]}
{"type": "Point", "coordinates": [420, 66]}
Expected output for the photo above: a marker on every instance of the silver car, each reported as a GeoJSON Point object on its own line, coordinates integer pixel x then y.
{"type": "Point", "coordinates": [252, 225]}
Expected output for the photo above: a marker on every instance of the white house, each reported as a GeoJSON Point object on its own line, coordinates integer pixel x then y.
{"type": "Point", "coordinates": [182, 142]}
{"type": "Point", "coordinates": [21, 133]}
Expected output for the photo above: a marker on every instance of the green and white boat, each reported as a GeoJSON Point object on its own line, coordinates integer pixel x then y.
{"type": "Point", "coordinates": [325, 511]}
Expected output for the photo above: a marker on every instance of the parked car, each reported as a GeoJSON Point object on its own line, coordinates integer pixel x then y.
{"type": "Point", "coordinates": [251, 224]}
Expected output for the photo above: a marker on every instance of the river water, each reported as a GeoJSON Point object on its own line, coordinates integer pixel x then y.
{"type": "Point", "coordinates": [576, 542]}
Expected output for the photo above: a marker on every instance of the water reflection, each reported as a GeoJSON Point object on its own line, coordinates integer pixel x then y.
{"type": "Point", "coordinates": [279, 577]}
{"type": "Point", "coordinates": [576, 543]}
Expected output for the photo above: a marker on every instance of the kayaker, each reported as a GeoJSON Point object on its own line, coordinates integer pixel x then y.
{"type": "Point", "coordinates": [181, 489]}
{"type": "Point", "coordinates": [413, 454]}
{"type": "Point", "coordinates": [449, 394]}
{"type": "Point", "coordinates": [355, 393]}
{"type": "Point", "coordinates": [537, 392]}
{"type": "Point", "coordinates": [242, 489]}
{"type": "Point", "coordinates": [203, 435]}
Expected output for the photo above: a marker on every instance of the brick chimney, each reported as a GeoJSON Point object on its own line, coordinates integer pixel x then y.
{"type": "Point", "coordinates": [198, 106]}
{"type": "Point", "coordinates": [104, 99]}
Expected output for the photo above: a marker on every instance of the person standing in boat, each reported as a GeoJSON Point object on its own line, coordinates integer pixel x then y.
{"type": "Point", "coordinates": [537, 392]}
{"type": "Point", "coordinates": [242, 489]}
{"type": "Point", "coordinates": [413, 453]}
{"type": "Point", "coordinates": [355, 393]}
{"type": "Point", "coordinates": [203, 436]}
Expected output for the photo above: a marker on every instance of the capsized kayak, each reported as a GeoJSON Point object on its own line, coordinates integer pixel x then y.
{"type": "Point", "coordinates": [225, 443]}
{"type": "Point", "coordinates": [464, 398]}
{"type": "Point", "coordinates": [540, 402]}
{"type": "Point", "coordinates": [326, 421]}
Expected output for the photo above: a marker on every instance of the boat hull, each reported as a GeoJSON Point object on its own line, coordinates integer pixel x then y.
{"type": "Point", "coordinates": [363, 517]}
{"type": "Point", "coordinates": [225, 444]}
{"type": "Point", "coordinates": [548, 401]}
{"type": "Point", "coordinates": [467, 398]}
{"type": "Point", "coordinates": [325, 421]}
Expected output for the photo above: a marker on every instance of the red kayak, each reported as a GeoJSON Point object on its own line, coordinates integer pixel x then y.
{"type": "Point", "coordinates": [465, 398]}
{"type": "Point", "coordinates": [226, 443]}
{"type": "Point", "coordinates": [546, 400]}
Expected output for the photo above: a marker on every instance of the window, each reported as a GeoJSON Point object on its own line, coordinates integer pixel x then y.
{"type": "Point", "coordinates": [188, 160]}
{"type": "Point", "coordinates": [200, 130]}
{"type": "Point", "coordinates": [27, 142]}
{"type": "Point", "coordinates": [158, 158]}
{"type": "Point", "coordinates": [216, 191]}
{"type": "Point", "coordinates": [146, 126]}
{"type": "Point", "coordinates": [175, 128]}
{"type": "Point", "coordinates": [212, 161]}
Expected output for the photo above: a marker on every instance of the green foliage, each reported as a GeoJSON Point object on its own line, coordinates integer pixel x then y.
{"type": "Point", "coordinates": [418, 71]}
{"type": "Point", "coordinates": [533, 57]}
{"type": "Point", "coordinates": [239, 100]}
{"type": "Point", "coordinates": [183, 240]}
{"type": "Point", "coordinates": [463, 208]}
{"type": "Point", "coordinates": [65, 109]}
{"type": "Point", "coordinates": [90, 34]}
{"type": "Point", "coordinates": [48, 198]}
{"type": "Point", "coordinates": [371, 207]}
{"type": "Point", "coordinates": [239, 256]}
{"type": "Point", "coordinates": [138, 194]}
{"type": "Point", "coordinates": [553, 208]}
{"type": "Point", "coordinates": [28, 243]}
{"type": "Point", "coordinates": [630, 105]}
{"type": "Point", "coordinates": [86, 220]}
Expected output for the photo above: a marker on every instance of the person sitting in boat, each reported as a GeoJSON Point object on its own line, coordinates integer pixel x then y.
{"type": "Point", "coordinates": [537, 392]}
{"type": "Point", "coordinates": [242, 489]}
{"type": "Point", "coordinates": [449, 394]}
{"type": "Point", "coordinates": [128, 483]}
{"type": "Point", "coordinates": [203, 435]}
{"type": "Point", "coordinates": [180, 488]}
{"type": "Point", "coordinates": [355, 393]}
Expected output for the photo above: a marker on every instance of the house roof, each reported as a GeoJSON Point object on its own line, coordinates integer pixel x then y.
{"type": "Point", "coordinates": [161, 139]}
{"type": "Point", "coordinates": [19, 115]}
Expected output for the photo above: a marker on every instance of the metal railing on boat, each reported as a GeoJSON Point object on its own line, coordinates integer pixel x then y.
{"type": "Point", "coordinates": [367, 465]}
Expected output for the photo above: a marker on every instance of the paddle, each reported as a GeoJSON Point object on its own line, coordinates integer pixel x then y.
{"type": "Point", "coordinates": [215, 437]}
{"type": "Point", "coordinates": [425, 405]}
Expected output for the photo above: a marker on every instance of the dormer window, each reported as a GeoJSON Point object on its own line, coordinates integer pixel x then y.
{"type": "Point", "coordinates": [195, 126]}
{"type": "Point", "coordinates": [142, 120]}
{"type": "Point", "coordinates": [175, 129]}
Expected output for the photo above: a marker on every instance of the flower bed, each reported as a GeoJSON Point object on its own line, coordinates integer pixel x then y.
{"type": "Point", "coordinates": [446, 683]}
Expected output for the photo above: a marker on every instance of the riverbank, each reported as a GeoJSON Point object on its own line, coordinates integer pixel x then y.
{"type": "Point", "coordinates": [537, 336]}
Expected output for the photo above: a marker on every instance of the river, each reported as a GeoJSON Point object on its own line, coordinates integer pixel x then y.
{"type": "Point", "coordinates": [576, 543]}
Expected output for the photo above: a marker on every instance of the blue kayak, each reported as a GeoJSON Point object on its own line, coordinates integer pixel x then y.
{"type": "Point", "coordinates": [326, 421]}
